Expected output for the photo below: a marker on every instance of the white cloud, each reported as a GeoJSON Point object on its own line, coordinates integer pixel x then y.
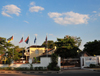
{"type": "Point", "coordinates": [69, 18]}
{"type": "Point", "coordinates": [32, 3]}
{"type": "Point", "coordinates": [94, 11]}
{"type": "Point", "coordinates": [99, 14]}
{"type": "Point", "coordinates": [35, 9]}
{"type": "Point", "coordinates": [26, 21]}
{"type": "Point", "coordinates": [54, 14]}
{"type": "Point", "coordinates": [10, 9]}
{"type": "Point", "coordinates": [5, 14]}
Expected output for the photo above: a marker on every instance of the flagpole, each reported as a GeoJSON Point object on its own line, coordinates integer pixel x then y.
{"type": "Point", "coordinates": [13, 47]}
{"type": "Point", "coordinates": [47, 46]}
{"type": "Point", "coordinates": [36, 47]}
{"type": "Point", "coordinates": [22, 48]}
{"type": "Point", "coordinates": [29, 47]}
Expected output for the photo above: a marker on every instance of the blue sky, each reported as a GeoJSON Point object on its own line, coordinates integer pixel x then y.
{"type": "Point", "coordinates": [54, 18]}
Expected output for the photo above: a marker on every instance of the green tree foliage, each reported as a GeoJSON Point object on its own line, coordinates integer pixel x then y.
{"type": "Point", "coordinates": [4, 45]}
{"type": "Point", "coordinates": [77, 40]}
{"type": "Point", "coordinates": [92, 47]}
{"type": "Point", "coordinates": [67, 47]}
{"type": "Point", "coordinates": [9, 48]}
{"type": "Point", "coordinates": [53, 64]}
{"type": "Point", "coordinates": [2, 41]}
{"type": "Point", "coordinates": [50, 45]}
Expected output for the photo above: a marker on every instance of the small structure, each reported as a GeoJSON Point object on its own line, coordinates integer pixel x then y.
{"type": "Point", "coordinates": [36, 50]}
{"type": "Point", "coordinates": [86, 61]}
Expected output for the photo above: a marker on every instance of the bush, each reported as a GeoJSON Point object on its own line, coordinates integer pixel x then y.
{"type": "Point", "coordinates": [0, 68]}
{"type": "Point", "coordinates": [9, 61]}
{"type": "Point", "coordinates": [45, 68]}
{"type": "Point", "coordinates": [9, 68]}
{"type": "Point", "coordinates": [19, 69]}
{"type": "Point", "coordinates": [36, 68]}
{"type": "Point", "coordinates": [92, 65]}
{"type": "Point", "coordinates": [40, 68]}
{"type": "Point", "coordinates": [53, 64]}
{"type": "Point", "coordinates": [31, 66]}
{"type": "Point", "coordinates": [56, 68]}
{"type": "Point", "coordinates": [50, 66]}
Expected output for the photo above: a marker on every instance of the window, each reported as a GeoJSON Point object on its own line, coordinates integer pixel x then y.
{"type": "Point", "coordinates": [36, 51]}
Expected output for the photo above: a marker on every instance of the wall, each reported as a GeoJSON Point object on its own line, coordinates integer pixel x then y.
{"type": "Point", "coordinates": [33, 51]}
{"type": "Point", "coordinates": [44, 63]}
{"type": "Point", "coordinates": [86, 61]}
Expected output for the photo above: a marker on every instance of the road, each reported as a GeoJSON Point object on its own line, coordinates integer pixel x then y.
{"type": "Point", "coordinates": [63, 73]}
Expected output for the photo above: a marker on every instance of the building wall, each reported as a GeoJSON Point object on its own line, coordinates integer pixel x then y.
{"type": "Point", "coordinates": [44, 63]}
{"type": "Point", "coordinates": [33, 52]}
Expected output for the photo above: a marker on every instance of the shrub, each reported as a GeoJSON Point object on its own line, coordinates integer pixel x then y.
{"type": "Point", "coordinates": [50, 66]}
{"type": "Point", "coordinates": [53, 64]}
{"type": "Point", "coordinates": [40, 68]}
{"type": "Point", "coordinates": [31, 66]}
{"type": "Point", "coordinates": [9, 61]}
{"type": "Point", "coordinates": [92, 65]}
{"type": "Point", "coordinates": [36, 68]}
{"type": "Point", "coordinates": [9, 68]}
{"type": "Point", "coordinates": [56, 68]}
{"type": "Point", "coordinates": [45, 68]}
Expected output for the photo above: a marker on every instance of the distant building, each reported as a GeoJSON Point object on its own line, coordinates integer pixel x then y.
{"type": "Point", "coordinates": [84, 54]}
{"type": "Point", "coordinates": [36, 50]}
{"type": "Point", "coordinates": [48, 52]}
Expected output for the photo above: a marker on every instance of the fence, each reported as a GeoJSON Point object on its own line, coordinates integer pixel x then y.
{"type": "Point", "coordinates": [44, 62]}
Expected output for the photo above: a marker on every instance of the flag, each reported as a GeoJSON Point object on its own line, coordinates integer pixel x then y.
{"type": "Point", "coordinates": [10, 39]}
{"type": "Point", "coordinates": [21, 40]}
{"type": "Point", "coordinates": [35, 40]}
{"type": "Point", "coordinates": [46, 40]}
{"type": "Point", "coordinates": [27, 40]}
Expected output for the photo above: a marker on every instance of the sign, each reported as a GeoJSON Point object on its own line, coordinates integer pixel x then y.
{"type": "Point", "coordinates": [90, 60]}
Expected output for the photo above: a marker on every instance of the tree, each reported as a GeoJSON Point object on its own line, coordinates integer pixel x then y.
{"type": "Point", "coordinates": [92, 47]}
{"type": "Point", "coordinates": [67, 47]}
{"type": "Point", "coordinates": [50, 44]}
{"type": "Point", "coordinates": [76, 39]}
{"type": "Point", "coordinates": [17, 53]}
{"type": "Point", "coordinates": [6, 47]}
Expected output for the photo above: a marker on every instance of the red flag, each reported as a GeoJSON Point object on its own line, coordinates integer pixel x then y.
{"type": "Point", "coordinates": [27, 40]}
{"type": "Point", "coordinates": [21, 40]}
